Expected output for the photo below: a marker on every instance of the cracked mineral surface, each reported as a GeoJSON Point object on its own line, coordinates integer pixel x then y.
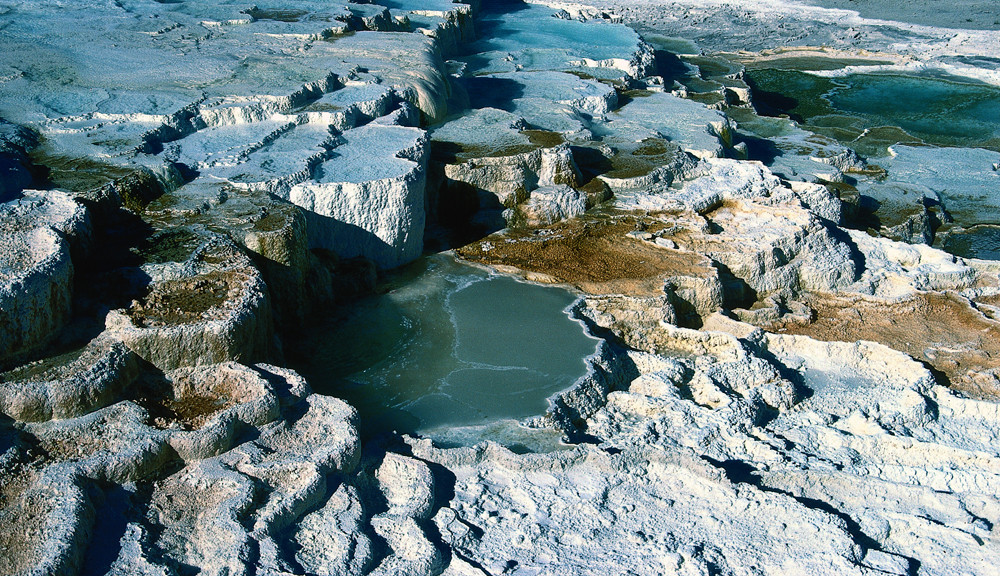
{"type": "Point", "coordinates": [484, 287]}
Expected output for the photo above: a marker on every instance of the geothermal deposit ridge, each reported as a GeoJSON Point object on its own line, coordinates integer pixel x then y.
{"type": "Point", "coordinates": [422, 287]}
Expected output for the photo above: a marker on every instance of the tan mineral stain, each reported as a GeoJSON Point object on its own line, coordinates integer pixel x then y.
{"type": "Point", "coordinates": [184, 301]}
{"type": "Point", "coordinates": [943, 330]}
{"type": "Point", "coordinates": [592, 253]}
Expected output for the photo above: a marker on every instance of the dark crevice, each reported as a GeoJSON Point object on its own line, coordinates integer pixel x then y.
{"type": "Point", "coordinates": [739, 472]}
{"type": "Point", "coordinates": [798, 381]}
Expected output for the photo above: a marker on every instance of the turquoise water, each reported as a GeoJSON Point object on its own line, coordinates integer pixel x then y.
{"type": "Point", "coordinates": [944, 135]}
{"type": "Point", "coordinates": [515, 27]}
{"type": "Point", "coordinates": [447, 345]}
{"type": "Point", "coordinates": [940, 111]}
{"type": "Point", "coordinates": [870, 112]}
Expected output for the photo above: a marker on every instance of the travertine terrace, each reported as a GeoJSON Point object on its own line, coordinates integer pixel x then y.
{"type": "Point", "coordinates": [780, 386]}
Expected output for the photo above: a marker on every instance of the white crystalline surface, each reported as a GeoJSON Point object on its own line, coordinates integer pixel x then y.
{"type": "Point", "coordinates": [224, 91]}
{"type": "Point", "coordinates": [288, 138]}
{"type": "Point", "coordinates": [351, 161]}
{"type": "Point", "coordinates": [691, 126]}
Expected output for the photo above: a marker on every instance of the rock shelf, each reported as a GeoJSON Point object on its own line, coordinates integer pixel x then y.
{"type": "Point", "coordinates": [788, 375]}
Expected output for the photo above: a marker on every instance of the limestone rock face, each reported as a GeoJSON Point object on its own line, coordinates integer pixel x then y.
{"type": "Point", "coordinates": [819, 200]}
{"type": "Point", "coordinates": [228, 506]}
{"type": "Point", "coordinates": [503, 182]}
{"type": "Point", "coordinates": [692, 436]}
{"type": "Point", "coordinates": [71, 385]}
{"type": "Point", "coordinates": [895, 269]}
{"type": "Point", "coordinates": [557, 167]}
{"type": "Point", "coordinates": [332, 540]}
{"type": "Point", "coordinates": [510, 178]}
{"type": "Point", "coordinates": [550, 204]}
{"type": "Point", "coordinates": [714, 182]}
{"type": "Point", "coordinates": [613, 497]}
{"type": "Point", "coordinates": [48, 516]}
{"type": "Point", "coordinates": [40, 232]}
{"type": "Point", "coordinates": [789, 249]}
{"type": "Point", "coordinates": [412, 550]}
{"type": "Point", "coordinates": [407, 486]}
{"type": "Point", "coordinates": [36, 293]}
{"type": "Point", "coordinates": [737, 417]}
{"type": "Point", "coordinates": [641, 63]}
{"type": "Point", "coordinates": [281, 240]}
{"type": "Point", "coordinates": [370, 210]}
{"type": "Point", "coordinates": [900, 402]}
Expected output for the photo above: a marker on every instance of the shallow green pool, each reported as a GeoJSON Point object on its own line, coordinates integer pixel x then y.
{"type": "Point", "coordinates": [448, 345]}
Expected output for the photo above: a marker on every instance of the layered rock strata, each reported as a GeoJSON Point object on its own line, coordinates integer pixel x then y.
{"type": "Point", "coordinates": [773, 393]}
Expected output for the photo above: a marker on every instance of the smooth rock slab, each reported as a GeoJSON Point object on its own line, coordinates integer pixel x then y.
{"type": "Point", "coordinates": [553, 101]}
{"type": "Point", "coordinates": [484, 132]}
{"type": "Point", "coordinates": [697, 129]}
{"type": "Point", "coordinates": [964, 181]}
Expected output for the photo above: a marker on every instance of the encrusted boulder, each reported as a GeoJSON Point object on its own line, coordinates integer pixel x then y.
{"type": "Point", "coordinates": [550, 204]}
{"type": "Point", "coordinates": [407, 485]}
{"type": "Point", "coordinates": [70, 384]}
{"type": "Point", "coordinates": [213, 308]}
{"type": "Point", "coordinates": [40, 233]}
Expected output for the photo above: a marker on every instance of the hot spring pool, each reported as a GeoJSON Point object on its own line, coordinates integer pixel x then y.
{"type": "Point", "coordinates": [447, 346]}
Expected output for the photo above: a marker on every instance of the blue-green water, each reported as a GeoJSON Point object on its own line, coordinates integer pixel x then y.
{"type": "Point", "coordinates": [981, 242]}
{"type": "Point", "coordinates": [871, 112]}
{"type": "Point", "coordinates": [518, 36]}
{"type": "Point", "coordinates": [934, 136]}
{"type": "Point", "coordinates": [448, 345]}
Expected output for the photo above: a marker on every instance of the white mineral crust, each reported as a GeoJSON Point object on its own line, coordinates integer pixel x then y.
{"type": "Point", "coordinates": [283, 138]}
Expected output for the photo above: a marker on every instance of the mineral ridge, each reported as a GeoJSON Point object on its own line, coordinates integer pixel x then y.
{"type": "Point", "coordinates": [792, 376]}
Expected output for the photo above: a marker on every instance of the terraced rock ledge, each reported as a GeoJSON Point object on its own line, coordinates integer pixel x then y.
{"type": "Point", "coordinates": [792, 376]}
